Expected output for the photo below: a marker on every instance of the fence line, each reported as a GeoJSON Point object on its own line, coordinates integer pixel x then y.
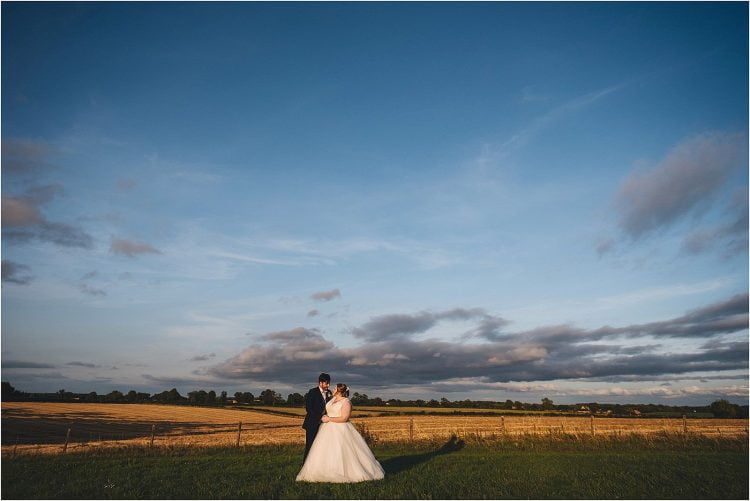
{"type": "Point", "coordinates": [383, 429]}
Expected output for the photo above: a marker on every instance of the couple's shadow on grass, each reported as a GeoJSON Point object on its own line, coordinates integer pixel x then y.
{"type": "Point", "coordinates": [402, 463]}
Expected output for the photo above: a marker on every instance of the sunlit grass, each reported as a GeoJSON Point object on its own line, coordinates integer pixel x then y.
{"type": "Point", "coordinates": [631, 467]}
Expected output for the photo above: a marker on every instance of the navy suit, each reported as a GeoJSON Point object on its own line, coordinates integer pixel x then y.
{"type": "Point", "coordinates": [315, 405]}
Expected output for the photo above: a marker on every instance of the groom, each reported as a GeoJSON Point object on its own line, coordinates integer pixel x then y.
{"type": "Point", "coordinates": [315, 405]}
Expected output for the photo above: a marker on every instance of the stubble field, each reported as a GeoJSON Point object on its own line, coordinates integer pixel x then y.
{"type": "Point", "coordinates": [43, 427]}
{"type": "Point", "coordinates": [195, 456]}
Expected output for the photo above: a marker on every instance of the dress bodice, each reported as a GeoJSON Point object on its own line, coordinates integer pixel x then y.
{"type": "Point", "coordinates": [333, 408]}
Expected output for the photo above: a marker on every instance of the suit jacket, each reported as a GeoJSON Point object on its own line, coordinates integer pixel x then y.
{"type": "Point", "coordinates": [315, 406]}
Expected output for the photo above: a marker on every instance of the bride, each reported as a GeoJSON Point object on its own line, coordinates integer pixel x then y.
{"type": "Point", "coordinates": [339, 453]}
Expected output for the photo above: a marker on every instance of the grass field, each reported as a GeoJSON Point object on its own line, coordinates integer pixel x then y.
{"type": "Point", "coordinates": [42, 427]}
{"type": "Point", "coordinates": [625, 467]}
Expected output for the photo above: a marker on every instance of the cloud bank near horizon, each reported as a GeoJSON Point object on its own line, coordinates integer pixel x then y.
{"type": "Point", "coordinates": [395, 352]}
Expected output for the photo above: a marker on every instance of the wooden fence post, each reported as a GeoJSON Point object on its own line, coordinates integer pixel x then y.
{"type": "Point", "coordinates": [592, 425]}
{"type": "Point", "coordinates": [502, 422]}
{"type": "Point", "coordinates": [239, 431]}
{"type": "Point", "coordinates": [153, 431]}
{"type": "Point", "coordinates": [67, 437]}
{"type": "Point", "coordinates": [411, 429]}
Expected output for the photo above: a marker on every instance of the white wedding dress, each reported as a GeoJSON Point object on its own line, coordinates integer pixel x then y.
{"type": "Point", "coordinates": [339, 453]}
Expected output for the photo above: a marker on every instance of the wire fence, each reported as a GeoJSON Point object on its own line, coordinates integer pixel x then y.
{"type": "Point", "coordinates": [52, 437]}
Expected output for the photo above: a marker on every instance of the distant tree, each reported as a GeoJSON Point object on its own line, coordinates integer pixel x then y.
{"type": "Point", "coordinates": [143, 397]}
{"type": "Point", "coordinates": [359, 399]}
{"type": "Point", "coordinates": [174, 395]}
{"type": "Point", "coordinates": [211, 398]}
{"type": "Point", "coordinates": [518, 405]}
{"type": "Point", "coordinates": [295, 399]}
{"type": "Point", "coordinates": [170, 396]}
{"type": "Point", "coordinates": [724, 409]}
{"type": "Point", "coordinates": [114, 396]}
{"type": "Point", "coordinates": [199, 397]}
{"type": "Point", "coordinates": [268, 397]}
{"type": "Point", "coordinates": [433, 403]}
{"type": "Point", "coordinates": [508, 404]}
{"type": "Point", "coordinates": [223, 397]}
{"type": "Point", "coordinates": [547, 404]}
{"type": "Point", "coordinates": [8, 392]}
{"type": "Point", "coordinates": [91, 397]}
{"type": "Point", "coordinates": [444, 402]}
{"type": "Point", "coordinates": [132, 396]}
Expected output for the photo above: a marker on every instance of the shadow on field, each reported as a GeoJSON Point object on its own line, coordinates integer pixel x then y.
{"type": "Point", "coordinates": [403, 463]}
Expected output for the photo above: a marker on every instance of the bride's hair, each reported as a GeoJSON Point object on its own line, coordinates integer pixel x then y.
{"type": "Point", "coordinates": [342, 389]}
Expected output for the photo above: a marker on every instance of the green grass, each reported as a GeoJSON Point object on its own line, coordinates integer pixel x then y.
{"type": "Point", "coordinates": [542, 468]}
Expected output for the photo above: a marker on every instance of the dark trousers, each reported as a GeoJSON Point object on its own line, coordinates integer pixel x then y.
{"type": "Point", "coordinates": [310, 434]}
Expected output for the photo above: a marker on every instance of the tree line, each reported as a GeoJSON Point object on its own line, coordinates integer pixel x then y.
{"type": "Point", "coordinates": [199, 397]}
{"type": "Point", "coordinates": [719, 408]}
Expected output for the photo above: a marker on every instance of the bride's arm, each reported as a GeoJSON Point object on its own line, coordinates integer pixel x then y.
{"type": "Point", "coordinates": [346, 410]}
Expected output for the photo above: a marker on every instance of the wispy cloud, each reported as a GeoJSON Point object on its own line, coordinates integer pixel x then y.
{"type": "Point", "coordinates": [15, 273]}
{"type": "Point", "coordinates": [385, 327]}
{"type": "Point", "coordinates": [665, 292]}
{"type": "Point", "coordinates": [732, 233]}
{"type": "Point", "coordinates": [325, 295]}
{"type": "Point", "coordinates": [25, 155]}
{"type": "Point", "coordinates": [19, 212]}
{"type": "Point", "coordinates": [520, 138]}
{"type": "Point", "coordinates": [84, 364]}
{"type": "Point", "coordinates": [85, 286]}
{"type": "Point", "coordinates": [203, 358]}
{"type": "Point", "coordinates": [91, 291]}
{"type": "Point", "coordinates": [193, 382]}
{"type": "Point", "coordinates": [261, 260]}
{"type": "Point", "coordinates": [23, 220]}
{"type": "Point", "coordinates": [131, 248]}
{"type": "Point", "coordinates": [688, 179]}
{"type": "Point", "coordinates": [126, 184]}
{"type": "Point", "coordinates": [23, 364]}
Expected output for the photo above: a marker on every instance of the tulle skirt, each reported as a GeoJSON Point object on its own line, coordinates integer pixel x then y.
{"type": "Point", "coordinates": [340, 454]}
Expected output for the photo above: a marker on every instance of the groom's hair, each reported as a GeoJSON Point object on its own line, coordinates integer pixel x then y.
{"type": "Point", "coordinates": [324, 377]}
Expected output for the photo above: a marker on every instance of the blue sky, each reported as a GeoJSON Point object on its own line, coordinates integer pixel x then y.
{"type": "Point", "coordinates": [485, 201]}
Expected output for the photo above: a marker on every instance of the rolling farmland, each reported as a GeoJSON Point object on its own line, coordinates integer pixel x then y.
{"type": "Point", "coordinates": [43, 427]}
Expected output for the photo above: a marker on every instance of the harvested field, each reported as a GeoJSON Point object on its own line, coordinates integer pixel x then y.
{"type": "Point", "coordinates": [29, 425]}
{"type": "Point", "coordinates": [430, 427]}
{"type": "Point", "coordinates": [42, 427]}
